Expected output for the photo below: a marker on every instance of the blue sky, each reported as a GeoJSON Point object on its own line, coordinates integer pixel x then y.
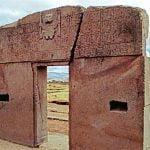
{"type": "Point", "coordinates": [58, 69]}
{"type": "Point", "coordinates": [12, 10]}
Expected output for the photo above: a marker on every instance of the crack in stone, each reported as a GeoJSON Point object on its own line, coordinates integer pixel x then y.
{"type": "Point", "coordinates": [76, 39]}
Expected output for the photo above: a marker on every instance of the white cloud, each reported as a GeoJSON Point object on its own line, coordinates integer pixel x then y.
{"type": "Point", "coordinates": [147, 53]}
{"type": "Point", "coordinates": [59, 69]}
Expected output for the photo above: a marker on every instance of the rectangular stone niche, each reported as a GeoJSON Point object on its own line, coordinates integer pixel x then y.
{"type": "Point", "coordinates": [4, 98]}
{"type": "Point", "coordinates": [118, 106]}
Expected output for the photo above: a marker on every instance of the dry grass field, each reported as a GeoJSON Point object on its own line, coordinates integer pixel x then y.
{"type": "Point", "coordinates": [58, 91]}
{"type": "Point", "coordinates": [58, 110]}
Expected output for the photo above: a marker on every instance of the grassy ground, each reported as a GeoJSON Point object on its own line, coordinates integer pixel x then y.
{"type": "Point", "coordinates": [57, 91]}
{"type": "Point", "coordinates": [58, 107]}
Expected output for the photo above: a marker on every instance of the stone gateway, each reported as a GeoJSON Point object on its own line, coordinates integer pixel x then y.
{"type": "Point", "coordinates": [109, 76]}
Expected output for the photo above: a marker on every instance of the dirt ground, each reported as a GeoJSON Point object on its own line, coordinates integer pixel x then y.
{"type": "Point", "coordinates": [58, 107]}
{"type": "Point", "coordinates": [56, 141]}
{"type": "Point", "coordinates": [58, 126]}
{"type": "Point", "coordinates": [58, 115]}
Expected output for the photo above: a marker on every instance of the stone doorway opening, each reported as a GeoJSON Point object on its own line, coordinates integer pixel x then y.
{"type": "Point", "coordinates": [58, 107]}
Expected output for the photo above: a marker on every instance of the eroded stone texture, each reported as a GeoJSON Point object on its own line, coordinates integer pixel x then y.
{"type": "Point", "coordinates": [40, 103]}
{"type": "Point", "coordinates": [3, 84]}
{"type": "Point", "coordinates": [110, 31]}
{"type": "Point", "coordinates": [147, 81]}
{"type": "Point", "coordinates": [100, 81]}
{"type": "Point", "coordinates": [16, 115]}
{"type": "Point", "coordinates": [104, 48]}
{"type": "Point", "coordinates": [147, 105]}
{"type": "Point", "coordinates": [33, 39]}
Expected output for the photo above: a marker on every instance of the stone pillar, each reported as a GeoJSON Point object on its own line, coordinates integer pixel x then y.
{"type": "Point", "coordinates": [107, 80]}
{"type": "Point", "coordinates": [16, 103]}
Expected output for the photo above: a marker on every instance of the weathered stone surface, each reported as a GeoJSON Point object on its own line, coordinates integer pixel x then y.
{"type": "Point", "coordinates": [147, 104]}
{"type": "Point", "coordinates": [3, 84]}
{"type": "Point", "coordinates": [106, 92]}
{"type": "Point", "coordinates": [93, 84]}
{"type": "Point", "coordinates": [16, 116]}
{"type": "Point", "coordinates": [110, 31]}
{"type": "Point", "coordinates": [40, 103]}
{"type": "Point", "coordinates": [29, 39]}
{"type": "Point", "coordinates": [146, 128]}
{"type": "Point", "coordinates": [104, 32]}
{"type": "Point", "coordinates": [147, 81]}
